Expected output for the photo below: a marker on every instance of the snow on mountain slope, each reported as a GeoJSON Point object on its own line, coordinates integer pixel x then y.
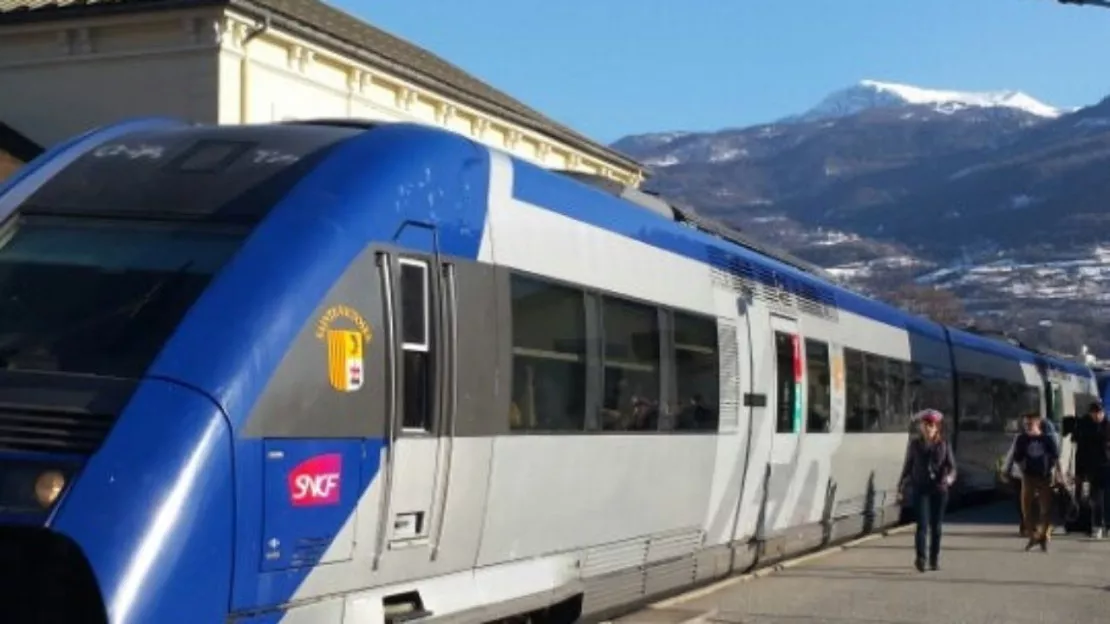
{"type": "Point", "coordinates": [868, 94]}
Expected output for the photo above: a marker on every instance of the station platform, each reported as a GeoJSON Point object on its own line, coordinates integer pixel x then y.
{"type": "Point", "coordinates": [985, 576]}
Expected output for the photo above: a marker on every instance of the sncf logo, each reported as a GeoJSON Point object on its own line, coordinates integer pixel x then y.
{"type": "Point", "coordinates": [315, 481]}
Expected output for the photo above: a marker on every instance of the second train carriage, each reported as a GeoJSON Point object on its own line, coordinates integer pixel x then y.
{"type": "Point", "coordinates": [340, 373]}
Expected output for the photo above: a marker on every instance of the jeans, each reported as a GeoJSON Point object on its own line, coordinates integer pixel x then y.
{"type": "Point", "coordinates": [1036, 500]}
{"type": "Point", "coordinates": [929, 503]}
{"type": "Point", "coordinates": [1099, 499]}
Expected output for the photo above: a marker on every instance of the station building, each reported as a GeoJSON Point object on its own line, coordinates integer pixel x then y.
{"type": "Point", "coordinates": [70, 65]}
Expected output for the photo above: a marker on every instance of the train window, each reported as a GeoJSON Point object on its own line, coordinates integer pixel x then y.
{"type": "Point", "coordinates": [696, 372]}
{"type": "Point", "coordinates": [100, 296]}
{"type": "Point", "coordinates": [819, 393]}
{"type": "Point", "coordinates": [1006, 405]}
{"type": "Point", "coordinates": [854, 384]}
{"type": "Point", "coordinates": [414, 305]}
{"type": "Point", "coordinates": [934, 389]}
{"type": "Point", "coordinates": [874, 398]}
{"type": "Point", "coordinates": [630, 385]}
{"type": "Point", "coordinates": [418, 384]}
{"type": "Point", "coordinates": [1031, 399]}
{"type": "Point", "coordinates": [549, 356]}
{"type": "Point", "coordinates": [787, 376]}
{"type": "Point", "coordinates": [976, 409]}
{"type": "Point", "coordinates": [897, 411]}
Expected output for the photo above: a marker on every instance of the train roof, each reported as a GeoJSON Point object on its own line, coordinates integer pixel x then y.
{"type": "Point", "coordinates": [772, 267]}
{"type": "Point", "coordinates": [259, 163]}
{"type": "Point", "coordinates": [256, 166]}
{"type": "Point", "coordinates": [662, 224]}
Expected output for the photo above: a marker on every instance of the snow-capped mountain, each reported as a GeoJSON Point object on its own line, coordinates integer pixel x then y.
{"type": "Point", "coordinates": [871, 94]}
{"type": "Point", "coordinates": [996, 197]}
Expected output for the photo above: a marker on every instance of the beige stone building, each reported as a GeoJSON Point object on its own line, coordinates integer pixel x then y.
{"type": "Point", "coordinates": [68, 65]}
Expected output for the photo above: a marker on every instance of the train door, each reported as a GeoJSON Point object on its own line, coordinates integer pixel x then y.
{"type": "Point", "coordinates": [1054, 402]}
{"type": "Point", "coordinates": [420, 306]}
{"type": "Point", "coordinates": [789, 381]}
{"type": "Point", "coordinates": [786, 402]}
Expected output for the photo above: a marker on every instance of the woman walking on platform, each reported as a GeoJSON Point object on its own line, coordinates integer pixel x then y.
{"type": "Point", "coordinates": [929, 470]}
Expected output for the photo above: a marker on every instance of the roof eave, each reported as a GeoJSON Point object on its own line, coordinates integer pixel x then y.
{"type": "Point", "coordinates": [99, 9]}
{"type": "Point", "coordinates": [310, 32]}
{"type": "Point", "coordinates": [369, 56]}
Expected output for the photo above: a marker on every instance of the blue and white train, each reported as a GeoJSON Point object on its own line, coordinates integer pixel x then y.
{"type": "Point", "coordinates": [339, 372]}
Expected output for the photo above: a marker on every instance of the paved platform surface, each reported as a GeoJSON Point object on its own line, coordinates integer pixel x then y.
{"type": "Point", "coordinates": [985, 577]}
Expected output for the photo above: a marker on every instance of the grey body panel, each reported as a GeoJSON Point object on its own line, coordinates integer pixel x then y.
{"type": "Point", "coordinates": [638, 514]}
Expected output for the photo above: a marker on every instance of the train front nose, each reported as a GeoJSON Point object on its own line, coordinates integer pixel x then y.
{"type": "Point", "coordinates": [46, 578]}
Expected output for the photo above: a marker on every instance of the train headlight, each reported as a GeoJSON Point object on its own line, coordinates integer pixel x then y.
{"type": "Point", "coordinates": [48, 486]}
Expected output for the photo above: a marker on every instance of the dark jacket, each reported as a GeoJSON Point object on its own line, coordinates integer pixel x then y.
{"type": "Point", "coordinates": [928, 465]}
{"type": "Point", "coordinates": [1092, 446]}
{"type": "Point", "coordinates": [1037, 455]}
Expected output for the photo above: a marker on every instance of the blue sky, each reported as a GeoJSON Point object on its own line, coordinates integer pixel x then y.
{"type": "Point", "coordinates": [614, 67]}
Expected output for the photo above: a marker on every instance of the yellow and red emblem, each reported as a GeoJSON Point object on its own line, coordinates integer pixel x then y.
{"type": "Point", "coordinates": [346, 363]}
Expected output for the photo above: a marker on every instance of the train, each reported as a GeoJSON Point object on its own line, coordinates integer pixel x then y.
{"type": "Point", "coordinates": [335, 371]}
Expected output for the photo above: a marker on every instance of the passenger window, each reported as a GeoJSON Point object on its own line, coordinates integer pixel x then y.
{"type": "Point", "coordinates": [414, 305]}
{"type": "Point", "coordinates": [415, 314]}
{"type": "Point", "coordinates": [897, 409]}
{"type": "Point", "coordinates": [854, 390]}
{"type": "Point", "coordinates": [549, 356]}
{"type": "Point", "coordinates": [976, 409]}
{"type": "Point", "coordinates": [819, 394]}
{"type": "Point", "coordinates": [696, 372]}
{"type": "Point", "coordinates": [630, 351]}
{"type": "Point", "coordinates": [875, 398]}
{"type": "Point", "coordinates": [1006, 405]}
{"type": "Point", "coordinates": [787, 378]}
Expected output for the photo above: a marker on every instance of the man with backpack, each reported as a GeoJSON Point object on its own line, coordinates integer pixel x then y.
{"type": "Point", "coordinates": [1038, 455]}
{"type": "Point", "coordinates": [1092, 464]}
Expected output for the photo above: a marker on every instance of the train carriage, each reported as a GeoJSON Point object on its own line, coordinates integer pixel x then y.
{"type": "Point", "coordinates": [344, 372]}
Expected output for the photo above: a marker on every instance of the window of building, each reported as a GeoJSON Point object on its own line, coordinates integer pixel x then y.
{"type": "Point", "coordinates": [631, 381]}
{"type": "Point", "coordinates": [788, 382]}
{"type": "Point", "coordinates": [549, 356]}
{"type": "Point", "coordinates": [819, 387]}
{"type": "Point", "coordinates": [416, 346]}
{"type": "Point", "coordinates": [696, 372]}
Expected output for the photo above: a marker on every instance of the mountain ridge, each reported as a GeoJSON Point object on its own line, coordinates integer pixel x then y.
{"type": "Point", "coordinates": [869, 94]}
{"type": "Point", "coordinates": [1003, 207]}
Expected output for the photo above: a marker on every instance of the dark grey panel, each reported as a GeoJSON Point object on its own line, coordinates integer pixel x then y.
{"type": "Point", "coordinates": [501, 350]}
{"type": "Point", "coordinates": [484, 360]}
{"type": "Point", "coordinates": [300, 400]}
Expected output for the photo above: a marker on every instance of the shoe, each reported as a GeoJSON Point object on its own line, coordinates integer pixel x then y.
{"type": "Point", "coordinates": [919, 564]}
{"type": "Point", "coordinates": [1044, 544]}
{"type": "Point", "coordinates": [1097, 534]}
{"type": "Point", "coordinates": [933, 565]}
{"type": "Point", "coordinates": [1030, 544]}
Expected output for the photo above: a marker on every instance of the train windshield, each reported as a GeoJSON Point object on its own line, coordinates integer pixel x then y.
{"type": "Point", "coordinates": [101, 297]}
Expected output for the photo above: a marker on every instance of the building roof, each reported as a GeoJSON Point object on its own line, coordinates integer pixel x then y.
{"type": "Point", "coordinates": [334, 28]}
